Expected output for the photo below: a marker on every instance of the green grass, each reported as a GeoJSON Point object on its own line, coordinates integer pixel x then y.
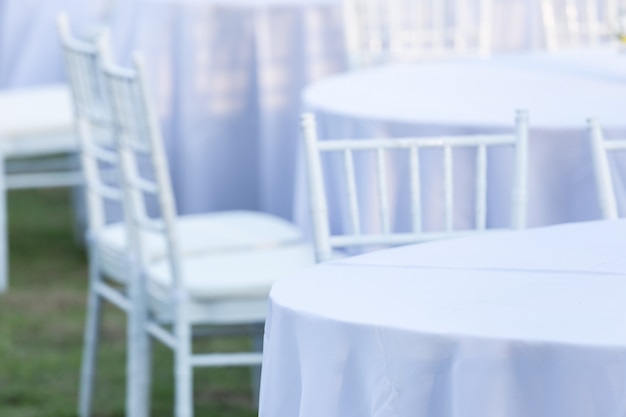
{"type": "Point", "coordinates": [41, 325]}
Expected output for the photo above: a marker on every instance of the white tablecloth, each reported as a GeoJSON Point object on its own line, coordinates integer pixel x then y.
{"type": "Point", "coordinates": [515, 324]}
{"type": "Point", "coordinates": [228, 75]}
{"type": "Point", "coordinates": [227, 79]}
{"type": "Point", "coordinates": [559, 90]}
{"type": "Point", "coordinates": [28, 41]}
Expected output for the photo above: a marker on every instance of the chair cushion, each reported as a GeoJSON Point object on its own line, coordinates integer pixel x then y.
{"type": "Point", "coordinates": [235, 275]}
{"type": "Point", "coordinates": [199, 234]}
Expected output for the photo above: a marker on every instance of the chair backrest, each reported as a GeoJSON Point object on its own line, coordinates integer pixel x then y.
{"type": "Point", "coordinates": [145, 172]}
{"type": "Point", "coordinates": [568, 23]}
{"type": "Point", "coordinates": [410, 148]}
{"type": "Point", "coordinates": [600, 149]}
{"type": "Point", "coordinates": [93, 121]}
{"type": "Point", "coordinates": [382, 31]}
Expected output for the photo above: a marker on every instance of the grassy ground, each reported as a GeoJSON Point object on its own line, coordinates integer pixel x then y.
{"type": "Point", "coordinates": [41, 324]}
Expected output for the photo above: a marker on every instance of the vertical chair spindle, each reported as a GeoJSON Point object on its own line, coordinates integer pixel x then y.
{"type": "Point", "coordinates": [448, 188]}
{"type": "Point", "coordinates": [416, 200]}
{"type": "Point", "coordinates": [481, 187]}
{"type": "Point", "coordinates": [381, 169]}
{"type": "Point", "coordinates": [355, 217]}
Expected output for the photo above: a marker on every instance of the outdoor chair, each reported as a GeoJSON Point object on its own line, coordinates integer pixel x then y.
{"type": "Point", "coordinates": [412, 150]}
{"type": "Point", "coordinates": [219, 288]}
{"type": "Point", "coordinates": [114, 270]}
{"type": "Point", "coordinates": [383, 31]}
{"type": "Point", "coordinates": [574, 23]}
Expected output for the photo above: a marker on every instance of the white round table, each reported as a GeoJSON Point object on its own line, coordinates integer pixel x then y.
{"type": "Point", "coordinates": [516, 324]}
{"type": "Point", "coordinates": [227, 78]}
{"type": "Point", "coordinates": [559, 90]}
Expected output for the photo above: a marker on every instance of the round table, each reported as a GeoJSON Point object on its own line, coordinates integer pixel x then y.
{"type": "Point", "coordinates": [525, 323]}
{"type": "Point", "coordinates": [227, 77]}
{"type": "Point", "coordinates": [560, 91]}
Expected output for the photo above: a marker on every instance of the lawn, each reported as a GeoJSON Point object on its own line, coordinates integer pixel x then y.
{"type": "Point", "coordinates": [41, 325]}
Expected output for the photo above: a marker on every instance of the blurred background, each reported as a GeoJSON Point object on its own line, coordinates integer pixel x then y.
{"type": "Point", "coordinates": [227, 78]}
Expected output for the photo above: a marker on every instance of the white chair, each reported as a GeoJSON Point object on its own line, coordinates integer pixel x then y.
{"type": "Point", "coordinates": [177, 288]}
{"type": "Point", "coordinates": [105, 244]}
{"type": "Point", "coordinates": [382, 31]}
{"type": "Point", "coordinates": [37, 148]}
{"type": "Point", "coordinates": [326, 242]}
{"type": "Point", "coordinates": [601, 149]}
{"type": "Point", "coordinates": [110, 260]}
{"type": "Point", "coordinates": [571, 23]}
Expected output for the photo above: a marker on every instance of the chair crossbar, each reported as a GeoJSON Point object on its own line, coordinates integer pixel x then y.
{"type": "Point", "coordinates": [343, 241]}
{"type": "Point", "coordinates": [407, 143]}
{"type": "Point", "coordinates": [614, 144]}
{"type": "Point", "coordinates": [52, 164]}
{"type": "Point", "coordinates": [227, 359]}
{"type": "Point", "coordinates": [140, 147]}
{"type": "Point", "coordinates": [150, 225]}
{"type": "Point", "coordinates": [43, 180]}
{"type": "Point", "coordinates": [97, 118]}
{"type": "Point", "coordinates": [163, 335]}
{"type": "Point", "coordinates": [74, 45]}
{"type": "Point", "coordinates": [112, 295]}
{"type": "Point", "coordinates": [101, 153]}
{"type": "Point", "coordinates": [107, 192]}
{"type": "Point", "coordinates": [144, 185]}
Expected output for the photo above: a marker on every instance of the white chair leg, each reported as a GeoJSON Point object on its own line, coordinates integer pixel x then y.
{"type": "Point", "coordinates": [79, 214]}
{"type": "Point", "coordinates": [183, 372]}
{"type": "Point", "coordinates": [257, 346]}
{"type": "Point", "coordinates": [138, 360]}
{"type": "Point", "coordinates": [4, 232]}
{"type": "Point", "coordinates": [148, 364]}
{"type": "Point", "coordinates": [90, 352]}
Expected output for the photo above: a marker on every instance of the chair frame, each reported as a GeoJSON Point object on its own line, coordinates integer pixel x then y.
{"type": "Point", "coordinates": [130, 103]}
{"type": "Point", "coordinates": [604, 181]}
{"type": "Point", "coordinates": [582, 25]}
{"type": "Point", "coordinates": [325, 242]}
{"type": "Point", "coordinates": [373, 37]}
{"type": "Point", "coordinates": [82, 60]}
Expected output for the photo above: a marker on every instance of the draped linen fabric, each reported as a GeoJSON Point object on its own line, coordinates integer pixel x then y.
{"type": "Point", "coordinates": [529, 323]}
{"type": "Point", "coordinates": [226, 78]}
{"type": "Point", "coordinates": [30, 52]}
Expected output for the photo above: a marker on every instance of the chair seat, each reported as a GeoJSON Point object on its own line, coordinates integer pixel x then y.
{"type": "Point", "coordinates": [238, 275]}
{"type": "Point", "coordinates": [198, 234]}
{"type": "Point", "coordinates": [230, 287]}
{"type": "Point", "coordinates": [40, 123]}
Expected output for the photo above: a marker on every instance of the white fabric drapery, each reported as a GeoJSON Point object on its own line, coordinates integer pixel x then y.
{"type": "Point", "coordinates": [510, 324]}
{"type": "Point", "coordinates": [227, 79]}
